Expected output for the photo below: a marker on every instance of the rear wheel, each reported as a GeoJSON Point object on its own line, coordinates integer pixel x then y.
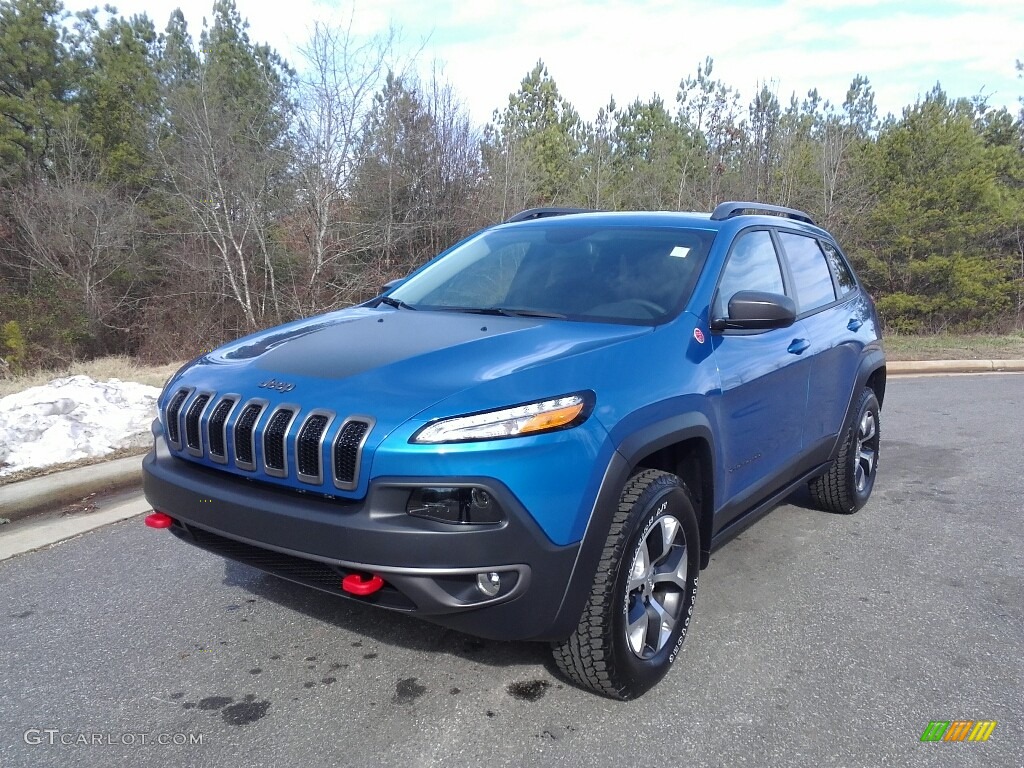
{"type": "Point", "coordinates": [634, 623]}
{"type": "Point", "coordinates": [847, 485]}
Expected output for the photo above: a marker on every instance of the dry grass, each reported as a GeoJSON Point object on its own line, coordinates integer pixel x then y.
{"type": "Point", "coordinates": [101, 369]}
{"type": "Point", "coordinates": [948, 347]}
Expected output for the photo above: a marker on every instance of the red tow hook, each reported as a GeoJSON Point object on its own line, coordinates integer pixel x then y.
{"type": "Point", "coordinates": [354, 584]}
{"type": "Point", "coordinates": [159, 520]}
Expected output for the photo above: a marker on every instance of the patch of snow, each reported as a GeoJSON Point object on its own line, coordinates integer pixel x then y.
{"type": "Point", "coordinates": [73, 418]}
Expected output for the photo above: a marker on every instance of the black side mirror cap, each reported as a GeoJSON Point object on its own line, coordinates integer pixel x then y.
{"type": "Point", "coordinates": [757, 310]}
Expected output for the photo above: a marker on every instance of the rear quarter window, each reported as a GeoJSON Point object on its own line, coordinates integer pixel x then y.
{"type": "Point", "coordinates": [844, 277]}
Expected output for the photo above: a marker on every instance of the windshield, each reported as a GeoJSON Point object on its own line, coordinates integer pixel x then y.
{"type": "Point", "coordinates": [611, 274]}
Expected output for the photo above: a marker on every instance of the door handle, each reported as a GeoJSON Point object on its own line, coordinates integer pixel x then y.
{"type": "Point", "coordinates": [854, 324]}
{"type": "Point", "coordinates": [798, 346]}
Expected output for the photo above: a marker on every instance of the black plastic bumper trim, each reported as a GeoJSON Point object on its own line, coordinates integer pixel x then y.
{"type": "Point", "coordinates": [429, 562]}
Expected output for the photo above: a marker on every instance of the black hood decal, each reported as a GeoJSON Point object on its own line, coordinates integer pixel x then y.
{"type": "Point", "coordinates": [340, 350]}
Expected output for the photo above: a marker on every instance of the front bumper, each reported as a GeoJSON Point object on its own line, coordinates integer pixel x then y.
{"type": "Point", "coordinates": [429, 568]}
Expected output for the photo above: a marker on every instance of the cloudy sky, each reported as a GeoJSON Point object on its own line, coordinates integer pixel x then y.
{"type": "Point", "coordinates": [629, 48]}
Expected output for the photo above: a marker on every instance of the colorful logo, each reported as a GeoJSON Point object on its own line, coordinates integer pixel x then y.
{"type": "Point", "coordinates": [958, 730]}
{"type": "Point", "coordinates": [698, 334]}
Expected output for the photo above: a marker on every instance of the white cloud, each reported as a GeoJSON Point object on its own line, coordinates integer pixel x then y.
{"type": "Point", "coordinates": [635, 48]}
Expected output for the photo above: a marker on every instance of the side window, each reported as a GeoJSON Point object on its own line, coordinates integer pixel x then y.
{"type": "Point", "coordinates": [844, 277]}
{"type": "Point", "coordinates": [752, 266]}
{"type": "Point", "coordinates": [811, 275]}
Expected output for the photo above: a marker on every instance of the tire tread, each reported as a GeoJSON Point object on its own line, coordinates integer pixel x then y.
{"type": "Point", "coordinates": [833, 491]}
{"type": "Point", "coordinates": [585, 658]}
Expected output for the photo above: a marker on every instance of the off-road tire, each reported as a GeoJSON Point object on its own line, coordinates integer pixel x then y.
{"type": "Point", "coordinates": [599, 655]}
{"type": "Point", "coordinates": [847, 485]}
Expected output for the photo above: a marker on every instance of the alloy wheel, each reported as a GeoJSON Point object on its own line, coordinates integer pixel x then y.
{"type": "Point", "coordinates": [656, 589]}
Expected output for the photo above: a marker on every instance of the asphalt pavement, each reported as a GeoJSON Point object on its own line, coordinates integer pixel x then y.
{"type": "Point", "coordinates": [817, 640]}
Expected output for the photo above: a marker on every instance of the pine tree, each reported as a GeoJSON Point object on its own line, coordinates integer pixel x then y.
{"type": "Point", "coordinates": [36, 83]}
{"type": "Point", "coordinates": [537, 142]}
{"type": "Point", "coordinates": [119, 98]}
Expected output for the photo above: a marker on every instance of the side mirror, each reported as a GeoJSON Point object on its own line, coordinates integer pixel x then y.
{"type": "Point", "coordinates": [757, 310]}
{"type": "Point", "coordinates": [392, 284]}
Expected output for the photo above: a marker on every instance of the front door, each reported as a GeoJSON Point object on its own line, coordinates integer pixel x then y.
{"type": "Point", "coordinates": [764, 377]}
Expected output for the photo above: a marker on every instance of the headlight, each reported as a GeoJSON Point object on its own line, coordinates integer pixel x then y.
{"type": "Point", "coordinates": [528, 419]}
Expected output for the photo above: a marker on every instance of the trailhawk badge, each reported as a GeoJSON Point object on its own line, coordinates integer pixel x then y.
{"type": "Point", "coordinates": [280, 386]}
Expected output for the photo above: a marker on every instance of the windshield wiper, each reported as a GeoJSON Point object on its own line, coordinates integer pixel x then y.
{"type": "Point", "coordinates": [396, 303]}
{"type": "Point", "coordinates": [506, 312]}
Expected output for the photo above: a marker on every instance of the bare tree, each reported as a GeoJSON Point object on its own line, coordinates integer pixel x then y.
{"type": "Point", "coordinates": [78, 230]}
{"type": "Point", "coordinates": [418, 170]}
{"type": "Point", "coordinates": [343, 73]}
{"type": "Point", "coordinates": [226, 168]}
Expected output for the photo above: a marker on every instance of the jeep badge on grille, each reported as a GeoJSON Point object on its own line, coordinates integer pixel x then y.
{"type": "Point", "coordinates": [280, 386]}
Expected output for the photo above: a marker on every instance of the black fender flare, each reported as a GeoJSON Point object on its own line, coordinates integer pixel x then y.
{"type": "Point", "coordinates": [872, 361]}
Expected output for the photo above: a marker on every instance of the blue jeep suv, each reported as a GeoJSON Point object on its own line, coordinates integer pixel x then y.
{"type": "Point", "coordinates": [543, 433]}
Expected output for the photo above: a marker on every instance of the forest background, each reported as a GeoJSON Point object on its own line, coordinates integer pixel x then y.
{"type": "Point", "coordinates": [160, 196]}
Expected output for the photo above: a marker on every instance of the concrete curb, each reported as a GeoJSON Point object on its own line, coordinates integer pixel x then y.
{"type": "Point", "coordinates": [905, 367]}
{"type": "Point", "coordinates": [36, 534]}
{"type": "Point", "coordinates": [19, 500]}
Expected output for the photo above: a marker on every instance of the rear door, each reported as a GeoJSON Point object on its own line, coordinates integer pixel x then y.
{"type": "Point", "coordinates": [764, 377]}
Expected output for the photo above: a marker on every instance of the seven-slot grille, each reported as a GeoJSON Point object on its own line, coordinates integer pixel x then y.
{"type": "Point", "coordinates": [209, 419]}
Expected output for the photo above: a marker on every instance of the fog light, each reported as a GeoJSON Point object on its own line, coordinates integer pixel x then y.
{"type": "Point", "coordinates": [454, 505]}
{"type": "Point", "coordinates": [488, 583]}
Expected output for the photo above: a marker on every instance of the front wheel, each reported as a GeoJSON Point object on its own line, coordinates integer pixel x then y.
{"type": "Point", "coordinates": [635, 621]}
{"type": "Point", "coordinates": [846, 486]}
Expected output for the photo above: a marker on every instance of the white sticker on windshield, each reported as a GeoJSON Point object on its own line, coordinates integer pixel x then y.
{"type": "Point", "coordinates": [680, 252]}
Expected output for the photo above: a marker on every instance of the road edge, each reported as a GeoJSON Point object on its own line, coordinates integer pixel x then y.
{"type": "Point", "coordinates": [19, 500]}
{"type": "Point", "coordinates": [22, 499]}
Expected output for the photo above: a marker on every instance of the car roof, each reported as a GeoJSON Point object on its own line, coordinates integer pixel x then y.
{"type": "Point", "coordinates": [673, 219]}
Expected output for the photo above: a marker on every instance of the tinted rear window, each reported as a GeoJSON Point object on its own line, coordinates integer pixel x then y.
{"type": "Point", "coordinates": [844, 277]}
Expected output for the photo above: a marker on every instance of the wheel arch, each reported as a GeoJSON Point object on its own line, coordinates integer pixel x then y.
{"type": "Point", "coordinates": [871, 373]}
{"type": "Point", "coordinates": [876, 380]}
{"type": "Point", "coordinates": [684, 446]}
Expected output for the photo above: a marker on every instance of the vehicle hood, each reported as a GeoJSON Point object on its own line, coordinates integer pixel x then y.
{"type": "Point", "coordinates": [391, 363]}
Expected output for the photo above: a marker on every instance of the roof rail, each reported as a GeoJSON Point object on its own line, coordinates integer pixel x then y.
{"type": "Point", "coordinates": [543, 213]}
{"type": "Point", "coordinates": [736, 208]}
